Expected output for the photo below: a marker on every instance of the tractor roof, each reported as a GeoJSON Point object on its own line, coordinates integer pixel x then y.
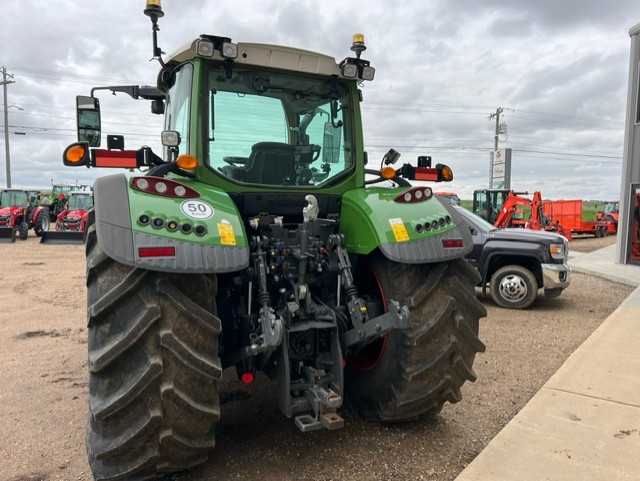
{"type": "Point", "coordinates": [273, 56]}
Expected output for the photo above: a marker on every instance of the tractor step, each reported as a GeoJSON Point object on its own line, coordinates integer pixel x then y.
{"type": "Point", "coordinates": [7, 235]}
{"type": "Point", "coordinates": [62, 237]}
{"type": "Point", "coordinates": [330, 421]}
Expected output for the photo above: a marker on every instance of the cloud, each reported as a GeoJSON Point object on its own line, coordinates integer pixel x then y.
{"type": "Point", "coordinates": [559, 69]}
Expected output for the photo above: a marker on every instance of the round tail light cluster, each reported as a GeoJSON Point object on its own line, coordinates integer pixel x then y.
{"type": "Point", "coordinates": [415, 194]}
{"type": "Point", "coordinates": [163, 187]}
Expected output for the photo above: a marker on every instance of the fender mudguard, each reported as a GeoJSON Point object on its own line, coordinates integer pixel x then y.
{"type": "Point", "coordinates": [158, 232]}
{"type": "Point", "coordinates": [412, 233]}
{"type": "Point", "coordinates": [34, 214]}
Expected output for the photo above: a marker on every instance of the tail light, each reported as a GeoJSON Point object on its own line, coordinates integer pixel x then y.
{"type": "Point", "coordinates": [452, 243]}
{"type": "Point", "coordinates": [163, 187]}
{"type": "Point", "coordinates": [157, 251]}
{"type": "Point", "coordinates": [415, 194]}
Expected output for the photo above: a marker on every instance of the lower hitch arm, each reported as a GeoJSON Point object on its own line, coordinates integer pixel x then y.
{"type": "Point", "coordinates": [364, 329]}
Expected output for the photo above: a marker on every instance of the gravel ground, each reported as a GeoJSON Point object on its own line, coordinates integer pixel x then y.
{"type": "Point", "coordinates": [44, 396]}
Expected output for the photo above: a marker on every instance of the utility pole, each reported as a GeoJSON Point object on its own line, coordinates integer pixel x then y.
{"type": "Point", "coordinates": [497, 116]}
{"type": "Point", "coordinates": [7, 155]}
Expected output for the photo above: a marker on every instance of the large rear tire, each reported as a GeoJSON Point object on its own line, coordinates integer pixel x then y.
{"type": "Point", "coordinates": [412, 372]}
{"type": "Point", "coordinates": [153, 369]}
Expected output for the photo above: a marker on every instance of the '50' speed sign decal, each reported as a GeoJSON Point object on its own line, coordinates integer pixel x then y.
{"type": "Point", "coordinates": [196, 209]}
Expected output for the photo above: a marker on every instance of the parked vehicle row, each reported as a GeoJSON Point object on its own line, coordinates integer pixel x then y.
{"type": "Point", "coordinates": [22, 210]}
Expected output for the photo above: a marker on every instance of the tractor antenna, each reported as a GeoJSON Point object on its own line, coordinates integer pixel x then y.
{"type": "Point", "coordinates": [154, 11]}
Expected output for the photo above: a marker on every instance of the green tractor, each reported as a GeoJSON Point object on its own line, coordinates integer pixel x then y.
{"type": "Point", "coordinates": [259, 241]}
{"type": "Point", "coordinates": [55, 202]}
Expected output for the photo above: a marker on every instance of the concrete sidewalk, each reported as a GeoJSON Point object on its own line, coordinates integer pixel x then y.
{"type": "Point", "coordinates": [584, 424]}
{"type": "Point", "coordinates": [601, 263]}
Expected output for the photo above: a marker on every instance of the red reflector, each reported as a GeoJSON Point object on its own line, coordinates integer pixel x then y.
{"type": "Point", "coordinates": [427, 173]}
{"type": "Point", "coordinates": [452, 243]}
{"type": "Point", "coordinates": [157, 251]}
{"type": "Point", "coordinates": [247, 377]}
{"type": "Point", "coordinates": [116, 158]}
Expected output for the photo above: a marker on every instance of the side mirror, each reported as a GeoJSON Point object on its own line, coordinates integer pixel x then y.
{"type": "Point", "coordinates": [331, 143]}
{"type": "Point", "coordinates": [157, 107]}
{"type": "Point", "coordinates": [88, 116]}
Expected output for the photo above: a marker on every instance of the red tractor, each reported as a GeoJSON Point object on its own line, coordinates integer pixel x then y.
{"type": "Point", "coordinates": [610, 213]}
{"type": "Point", "coordinates": [74, 216]}
{"type": "Point", "coordinates": [19, 213]}
{"type": "Point", "coordinates": [71, 221]}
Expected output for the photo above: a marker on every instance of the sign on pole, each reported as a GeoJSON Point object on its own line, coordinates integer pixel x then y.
{"type": "Point", "coordinates": [500, 171]}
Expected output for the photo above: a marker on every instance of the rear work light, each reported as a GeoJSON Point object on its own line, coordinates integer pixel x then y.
{"type": "Point", "coordinates": [157, 251]}
{"type": "Point", "coordinates": [163, 187]}
{"type": "Point", "coordinates": [415, 194]}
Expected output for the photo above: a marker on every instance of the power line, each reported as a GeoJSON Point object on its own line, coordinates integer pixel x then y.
{"type": "Point", "coordinates": [69, 76]}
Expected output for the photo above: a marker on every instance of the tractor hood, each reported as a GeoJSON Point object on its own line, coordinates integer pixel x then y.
{"type": "Point", "coordinates": [75, 213]}
{"type": "Point", "coordinates": [11, 210]}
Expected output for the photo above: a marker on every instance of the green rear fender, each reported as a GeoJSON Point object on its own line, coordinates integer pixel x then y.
{"type": "Point", "coordinates": [203, 234]}
{"type": "Point", "coordinates": [413, 233]}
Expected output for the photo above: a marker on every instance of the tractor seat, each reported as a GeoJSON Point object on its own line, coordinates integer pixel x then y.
{"type": "Point", "coordinates": [271, 163]}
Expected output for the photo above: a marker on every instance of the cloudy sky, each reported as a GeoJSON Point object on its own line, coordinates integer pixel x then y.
{"type": "Point", "coordinates": [558, 68]}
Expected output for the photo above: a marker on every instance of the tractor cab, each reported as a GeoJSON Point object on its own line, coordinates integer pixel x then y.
{"type": "Point", "coordinates": [14, 198]}
{"type": "Point", "coordinates": [487, 203]}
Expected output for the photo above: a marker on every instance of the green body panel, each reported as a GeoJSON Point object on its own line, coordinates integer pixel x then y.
{"type": "Point", "coordinates": [224, 225]}
{"type": "Point", "coordinates": [370, 217]}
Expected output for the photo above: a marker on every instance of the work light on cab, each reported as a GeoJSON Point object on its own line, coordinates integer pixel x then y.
{"type": "Point", "coordinates": [207, 45]}
{"type": "Point", "coordinates": [357, 67]}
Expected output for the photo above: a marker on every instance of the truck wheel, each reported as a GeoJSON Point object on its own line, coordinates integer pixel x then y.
{"type": "Point", "coordinates": [153, 368]}
{"type": "Point", "coordinates": [513, 287]}
{"type": "Point", "coordinates": [42, 222]}
{"type": "Point", "coordinates": [23, 230]}
{"type": "Point", "coordinates": [411, 373]}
